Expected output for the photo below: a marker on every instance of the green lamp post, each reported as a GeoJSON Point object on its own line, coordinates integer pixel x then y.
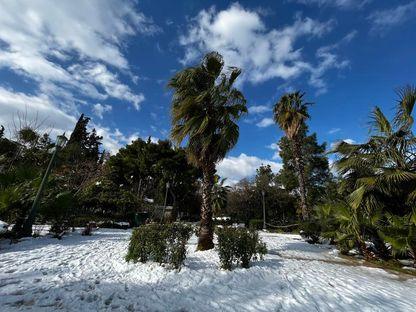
{"type": "Point", "coordinates": [27, 225]}
{"type": "Point", "coordinates": [166, 201]}
{"type": "Point", "coordinates": [264, 209]}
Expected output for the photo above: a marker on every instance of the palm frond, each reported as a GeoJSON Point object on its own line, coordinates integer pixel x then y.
{"type": "Point", "coordinates": [380, 123]}
{"type": "Point", "coordinates": [406, 104]}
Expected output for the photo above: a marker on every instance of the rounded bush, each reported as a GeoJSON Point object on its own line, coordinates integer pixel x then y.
{"type": "Point", "coordinates": [162, 243]}
{"type": "Point", "coordinates": [239, 246]}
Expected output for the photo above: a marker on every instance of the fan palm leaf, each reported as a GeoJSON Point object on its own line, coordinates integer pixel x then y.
{"type": "Point", "coordinates": [205, 109]}
{"type": "Point", "coordinates": [291, 113]}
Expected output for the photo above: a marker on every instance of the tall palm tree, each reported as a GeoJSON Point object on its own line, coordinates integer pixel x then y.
{"type": "Point", "coordinates": [205, 108]}
{"type": "Point", "coordinates": [291, 113]}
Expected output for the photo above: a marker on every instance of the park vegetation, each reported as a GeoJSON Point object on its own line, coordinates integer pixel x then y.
{"type": "Point", "coordinates": [161, 243]}
{"type": "Point", "coordinates": [366, 202]}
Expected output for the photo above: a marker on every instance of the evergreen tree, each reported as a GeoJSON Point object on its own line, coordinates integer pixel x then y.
{"type": "Point", "coordinates": [82, 145]}
{"type": "Point", "coordinates": [142, 169]}
{"type": "Point", "coordinates": [8, 149]}
{"type": "Point", "coordinates": [291, 113]}
{"type": "Point", "coordinates": [245, 199]}
{"type": "Point", "coordinates": [93, 146]}
{"type": "Point", "coordinates": [80, 134]}
{"type": "Point", "coordinates": [264, 178]}
{"type": "Point", "coordinates": [316, 167]}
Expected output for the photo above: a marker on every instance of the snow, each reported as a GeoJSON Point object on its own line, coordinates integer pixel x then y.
{"type": "Point", "coordinates": [88, 273]}
{"type": "Point", "coordinates": [3, 227]}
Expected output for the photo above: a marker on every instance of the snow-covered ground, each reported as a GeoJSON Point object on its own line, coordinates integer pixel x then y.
{"type": "Point", "coordinates": [81, 273]}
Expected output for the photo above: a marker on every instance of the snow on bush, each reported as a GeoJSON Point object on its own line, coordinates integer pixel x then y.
{"type": "Point", "coordinates": [3, 227]}
{"type": "Point", "coordinates": [239, 246]}
{"type": "Point", "coordinates": [162, 243]}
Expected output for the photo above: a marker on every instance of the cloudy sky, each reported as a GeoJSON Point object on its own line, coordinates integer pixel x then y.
{"type": "Point", "coordinates": [112, 59]}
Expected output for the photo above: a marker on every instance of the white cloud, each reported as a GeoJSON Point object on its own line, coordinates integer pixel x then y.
{"type": "Point", "coordinates": [98, 74]}
{"type": "Point", "coordinates": [40, 110]}
{"type": "Point", "coordinates": [43, 40]}
{"type": "Point", "coordinates": [92, 28]}
{"type": "Point", "coordinates": [241, 36]}
{"type": "Point", "coordinates": [259, 109]}
{"type": "Point", "coordinates": [328, 59]}
{"type": "Point", "coordinates": [243, 166]}
{"type": "Point", "coordinates": [383, 20]}
{"type": "Point", "coordinates": [99, 109]}
{"type": "Point", "coordinates": [343, 4]}
{"type": "Point", "coordinates": [34, 108]}
{"type": "Point", "coordinates": [334, 130]}
{"type": "Point", "coordinates": [73, 52]}
{"type": "Point", "coordinates": [113, 140]}
{"type": "Point", "coordinates": [265, 122]}
{"type": "Point", "coordinates": [349, 141]}
{"type": "Point", "coordinates": [276, 148]}
{"type": "Point", "coordinates": [273, 146]}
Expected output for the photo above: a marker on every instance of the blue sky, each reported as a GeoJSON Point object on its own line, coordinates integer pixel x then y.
{"type": "Point", "coordinates": [112, 59]}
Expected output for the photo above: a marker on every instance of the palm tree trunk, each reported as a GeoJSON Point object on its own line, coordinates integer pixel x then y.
{"type": "Point", "coordinates": [364, 250]}
{"type": "Point", "coordinates": [300, 168]}
{"type": "Point", "coordinates": [206, 230]}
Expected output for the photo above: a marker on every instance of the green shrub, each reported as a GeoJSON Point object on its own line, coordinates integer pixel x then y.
{"type": "Point", "coordinates": [162, 243]}
{"type": "Point", "coordinates": [195, 229]}
{"type": "Point", "coordinates": [255, 224]}
{"type": "Point", "coordinates": [310, 231]}
{"type": "Point", "coordinates": [239, 246]}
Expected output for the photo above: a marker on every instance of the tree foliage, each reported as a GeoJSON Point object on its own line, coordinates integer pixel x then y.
{"type": "Point", "coordinates": [378, 183]}
{"type": "Point", "coordinates": [318, 178]}
{"type": "Point", "coordinates": [291, 113]}
{"type": "Point", "coordinates": [205, 110]}
{"type": "Point", "coordinates": [141, 170]}
{"type": "Point", "coordinates": [245, 199]}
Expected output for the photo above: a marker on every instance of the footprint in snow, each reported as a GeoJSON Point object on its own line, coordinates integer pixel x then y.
{"type": "Point", "coordinates": [6, 282]}
{"type": "Point", "coordinates": [20, 303]}
{"type": "Point", "coordinates": [16, 293]}
{"type": "Point", "coordinates": [92, 298]}
{"type": "Point", "coordinates": [109, 300]}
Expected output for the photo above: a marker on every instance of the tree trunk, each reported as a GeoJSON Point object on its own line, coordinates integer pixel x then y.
{"type": "Point", "coordinates": [206, 230]}
{"type": "Point", "coordinates": [364, 250]}
{"type": "Point", "coordinates": [300, 168]}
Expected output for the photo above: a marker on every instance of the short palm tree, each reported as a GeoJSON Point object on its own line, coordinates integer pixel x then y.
{"type": "Point", "coordinates": [381, 173]}
{"type": "Point", "coordinates": [220, 194]}
{"type": "Point", "coordinates": [379, 176]}
{"type": "Point", "coordinates": [205, 108]}
{"type": "Point", "coordinates": [291, 113]}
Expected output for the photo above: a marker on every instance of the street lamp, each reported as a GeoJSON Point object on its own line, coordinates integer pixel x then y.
{"type": "Point", "coordinates": [61, 140]}
{"type": "Point", "coordinates": [264, 210]}
{"type": "Point", "coordinates": [27, 225]}
{"type": "Point", "coordinates": [166, 200]}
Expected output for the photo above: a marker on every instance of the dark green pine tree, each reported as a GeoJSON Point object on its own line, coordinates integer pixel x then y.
{"type": "Point", "coordinates": [93, 146]}
{"type": "Point", "coordinates": [82, 145]}
{"type": "Point", "coordinates": [1, 131]}
{"type": "Point", "coordinates": [79, 135]}
{"type": "Point", "coordinates": [317, 173]}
